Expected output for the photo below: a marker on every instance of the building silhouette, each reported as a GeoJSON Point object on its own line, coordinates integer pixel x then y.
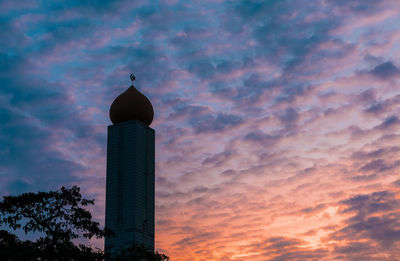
{"type": "Point", "coordinates": [130, 172]}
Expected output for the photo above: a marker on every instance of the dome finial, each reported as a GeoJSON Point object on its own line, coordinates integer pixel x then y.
{"type": "Point", "coordinates": [133, 78]}
{"type": "Point", "coordinates": [131, 105]}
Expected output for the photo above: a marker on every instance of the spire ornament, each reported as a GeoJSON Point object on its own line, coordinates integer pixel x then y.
{"type": "Point", "coordinates": [133, 78]}
{"type": "Point", "coordinates": [131, 105]}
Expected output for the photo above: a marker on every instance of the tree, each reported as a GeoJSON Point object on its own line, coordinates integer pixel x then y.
{"type": "Point", "coordinates": [11, 248]}
{"type": "Point", "coordinates": [138, 253]}
{"type": "Point", "coordinates": [60, 216]}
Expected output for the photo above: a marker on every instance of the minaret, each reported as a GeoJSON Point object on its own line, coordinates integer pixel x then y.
{"type": "Point", "coordinates": [130, 172]}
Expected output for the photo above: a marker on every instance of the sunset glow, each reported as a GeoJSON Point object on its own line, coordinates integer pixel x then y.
{"type": "Point", "coordinates": [277, 127]}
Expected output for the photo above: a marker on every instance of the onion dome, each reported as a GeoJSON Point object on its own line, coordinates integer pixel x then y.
{"type": "Point", "coordinates": [131, 105]}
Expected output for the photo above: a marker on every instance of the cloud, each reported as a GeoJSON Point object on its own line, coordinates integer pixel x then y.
{"type": "Point", "coordinates": [385, 71]}
{"type": "Point", "coordinates": [202, 237]}
{"type": "Point", "coordinates": [389, 122]}
{"type": "Point", "coordinates": [289, 117]}
{"type": "Point", "coordinates": [270, 117]}
{"type": "Point", "coordinates": [313, 209]}
{"type": "Point", "coordinates": [283, 248]}
{"type": "Point", "coordinates": [374, 223]}
{"type": "Point", "coordinates": [28, 157]}
{"type": "Point", "coordinates": [378, 153]}
{"type": "Point", "coordinates": [210, 123]}
{"type": "Point", "coordinates": [262, 138]}
{"type": "Point", "coordinates": [370, 231]}
{"type": "Point", "coordinates": [36, 115]}
{"type": "Point", "coordinates": [375, 165]}
{"type": "Point", "coordinates": [357, 5]}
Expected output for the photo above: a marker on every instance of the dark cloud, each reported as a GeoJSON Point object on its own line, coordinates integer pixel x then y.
{"type": "Point", "coordinates": [389, 122]}
{"type": "Point", "coordinates": [367, 96]}
{"type": "Point", "coordinates": [371, 229]}
{"type": "Point", "coordinates": [376, 108]}
{"type": "Point", "coordinates": [27, 158]}
{"type": "Point", "coordinates": [385, 71]}
{"type": "Point", "coordinates": [227, 66]}
{"type": "Point", "coordinates": [32, 114]}
{"type": "Point", "coordinates": [397, 183]}
{"type": "Point", "coordinates": [249, 9]}
{"type": "Point", "coordinates": [379, 108]}
{"type": "Point", "coordinates": [354, 251]}
{"type": "Point", "coordinates": [378, 165]}
{"type": "Point", "coordinates": [106, 8]}
{"type": "Point", "coordinates": [12, 38]}
{"type": "Point", "coordinates": [291, 91]}
{"type": "Point", "coordinates": [375, 222]}
{"type": "Point", "coordinates": [263, 139]}
{"type": "Point", "coordinates": [211, 123]}
{"type": "Point", "coordinates": [315, 209]}
{"type": "Point", "coordinates": [361, 178]}
{"type": "Point", "coordinates": [284, 248]}
{"type": "Point", "coordinates": [281, 27]}
{"type": "Point", "coordinates": [288, 117]}
{"type": "Point", "coordinates": [219, 159]}
{"type": "Point", "coordinates": [183, 110]}
{"type": "Point", "coordinates": [253, 87]}
{"type": "Point", "coordinates": [198, 238]}
{"type": "Point", "coordinates": [378, 153]}
{"type": "Point", "coordinates": [202, 68]}
{"type": "Point", "coordinates": [368, 6]}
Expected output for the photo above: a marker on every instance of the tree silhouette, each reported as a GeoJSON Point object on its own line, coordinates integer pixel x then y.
{"type": "Point", "coordinates": [11, 248]}
{"type": "Point", "coordinates": [60, 217]}
{"type": "Point", "coordinates": [138, 253]}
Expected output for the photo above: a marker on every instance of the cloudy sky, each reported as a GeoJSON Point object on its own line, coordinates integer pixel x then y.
{"type": "Point", "coordinates": [278, 135]}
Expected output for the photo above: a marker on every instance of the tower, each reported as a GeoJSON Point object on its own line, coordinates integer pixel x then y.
{"type": "Point", "coordinates": [130, 172]}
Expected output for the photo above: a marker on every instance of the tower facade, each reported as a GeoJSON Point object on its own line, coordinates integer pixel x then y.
{"type": "Point", "coordinates": [130, 172]}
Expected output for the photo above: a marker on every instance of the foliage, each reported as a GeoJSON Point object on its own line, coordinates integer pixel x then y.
{"type": "Point", "coordinates": [61, 218]}
{"type": "Point", "coordinates": [138, 253]}
{"type": "Point", "coordinates": [59, 214]}
{"type": "Point", "coordinates": [11, 248]}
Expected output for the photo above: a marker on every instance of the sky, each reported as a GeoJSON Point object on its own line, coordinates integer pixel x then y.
{"type": "Point", "coordinates": [277, 127]}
